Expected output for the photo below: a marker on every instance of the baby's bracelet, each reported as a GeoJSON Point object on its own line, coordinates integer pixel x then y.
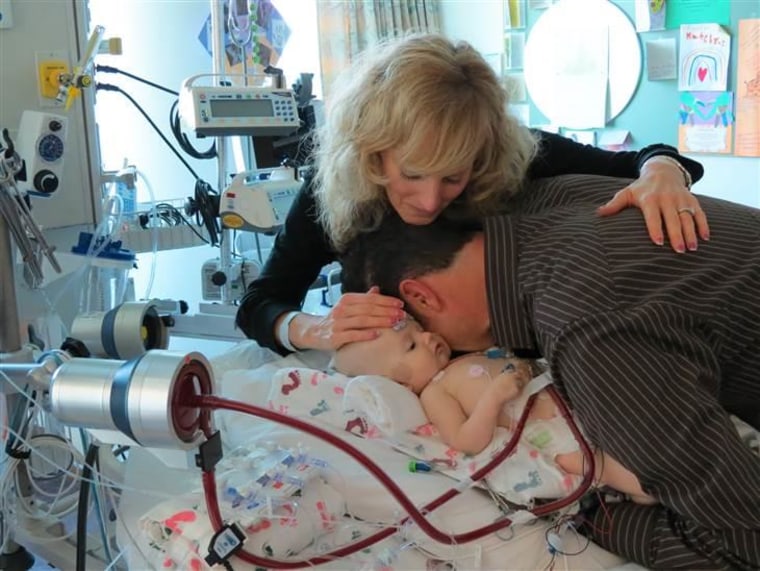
{"type": "Point", "coordinates": [282, 331]}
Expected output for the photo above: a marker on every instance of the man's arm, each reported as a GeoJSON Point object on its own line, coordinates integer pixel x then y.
{"type": "Point", "coordinates": [645, 388]}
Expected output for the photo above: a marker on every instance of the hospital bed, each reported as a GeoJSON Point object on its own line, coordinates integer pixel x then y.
{"type": "Point", "coordinates": [155, 495]}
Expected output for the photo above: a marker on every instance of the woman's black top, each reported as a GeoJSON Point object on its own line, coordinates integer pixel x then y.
{"type": "Point", "coordinates": [302, 248]}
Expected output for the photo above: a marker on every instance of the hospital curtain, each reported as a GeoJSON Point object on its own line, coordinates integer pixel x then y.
{"type": "Point", "coordinates": [347, 27]}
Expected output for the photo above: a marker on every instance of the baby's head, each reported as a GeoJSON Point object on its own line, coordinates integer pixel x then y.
{"type": "Point", "coordinates": [404, 353]}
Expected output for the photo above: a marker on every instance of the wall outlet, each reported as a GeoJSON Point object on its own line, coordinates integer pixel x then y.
{"type": "Point", "coordinates": [6, 15]}
{"type": "Point", "coordinates": [49, 66]}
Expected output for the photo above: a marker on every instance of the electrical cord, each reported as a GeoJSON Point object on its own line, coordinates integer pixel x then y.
{"type": "Point", "coordinates": [176, 127]}
{"type": "Point", "coordinates": [83, 507]}
{"type": "Point", "coordinates": [174, 120]}
{"type": "Point", "coordinates": [99, 504]}
{"type": "Point", "coordinates": [169, 215]}
{"type": "Point", "coordinates": [153, 234]}
{"type": "Point", "coordinates": [109, 87]}
{"type": "Point", "coordinates": [165, 215]}
{"type": "Point", "coordinates": [20, 424]}
{"type": "Point", "coordinates": [203, 206]}
{"type": "Point", "coordinates": [112, 69]}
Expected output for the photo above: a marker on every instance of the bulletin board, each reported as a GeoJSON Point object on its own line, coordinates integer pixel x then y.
{"type": "Point", "coordinates": [652, 114]}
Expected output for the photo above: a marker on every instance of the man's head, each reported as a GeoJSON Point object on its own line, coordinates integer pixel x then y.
{"type": "Point", "coordinates": [437, 269]}
{"type": "Point", "coordinates": [406, 354]}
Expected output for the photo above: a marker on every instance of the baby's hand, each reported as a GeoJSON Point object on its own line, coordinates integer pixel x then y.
{"type": "Point", "coordinates": [508, 384]}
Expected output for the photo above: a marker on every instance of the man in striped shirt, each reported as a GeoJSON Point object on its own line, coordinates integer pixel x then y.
{"type": "Point", "coordinates": [651, 348]}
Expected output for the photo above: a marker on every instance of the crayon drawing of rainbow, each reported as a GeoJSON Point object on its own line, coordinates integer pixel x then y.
{"type": "Point", "coordinates": [704, 70]}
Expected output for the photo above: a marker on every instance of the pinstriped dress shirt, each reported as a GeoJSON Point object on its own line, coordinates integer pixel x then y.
{"type": "Point", "coordinates": [649, 347]}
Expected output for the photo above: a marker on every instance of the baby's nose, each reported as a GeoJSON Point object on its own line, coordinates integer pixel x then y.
{"type": "Point", "coordinates": [430, 339]}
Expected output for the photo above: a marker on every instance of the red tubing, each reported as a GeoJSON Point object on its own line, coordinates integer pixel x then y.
{"type": "Point", "coordinates": [415, 514]}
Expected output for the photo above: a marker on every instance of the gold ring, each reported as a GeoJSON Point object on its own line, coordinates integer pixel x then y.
{"type": "Point", "coordinates": [689, 211]}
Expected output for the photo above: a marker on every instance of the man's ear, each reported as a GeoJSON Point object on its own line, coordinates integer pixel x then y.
{"type": "Point", "coordinates": [420, 298]}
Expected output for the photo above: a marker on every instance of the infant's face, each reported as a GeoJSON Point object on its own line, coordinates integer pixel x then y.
{"type": "Point", "coordinates": [414, 356]}
{"type": "Point", "coordinates": [406, 354]}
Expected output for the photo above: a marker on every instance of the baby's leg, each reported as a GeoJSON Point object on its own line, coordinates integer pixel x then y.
{"type": "Point", "coordinates": [609, 472]}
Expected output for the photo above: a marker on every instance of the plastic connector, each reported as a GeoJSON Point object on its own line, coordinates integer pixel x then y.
{"type": "Point", "coordinates": [225, 543]}
{"type": "Point", "coordinates": [209, 452]}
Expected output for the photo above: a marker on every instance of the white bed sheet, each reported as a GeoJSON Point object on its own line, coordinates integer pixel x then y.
{"type": "Point", "coordinates": [243, 373]}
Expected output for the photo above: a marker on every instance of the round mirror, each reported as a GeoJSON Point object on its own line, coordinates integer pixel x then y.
{"type": "Point", "coordinates": [582, 63]}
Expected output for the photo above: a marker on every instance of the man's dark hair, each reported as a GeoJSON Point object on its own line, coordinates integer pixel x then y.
{"type": "Point", "coordinates": [396, 251]}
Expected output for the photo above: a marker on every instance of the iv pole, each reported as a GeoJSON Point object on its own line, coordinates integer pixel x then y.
{"type": "Point", "coordinates": [217, 49]}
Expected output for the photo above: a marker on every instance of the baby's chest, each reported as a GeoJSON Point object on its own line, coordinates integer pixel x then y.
{"type": "Point", "coordinates": [467, 380]}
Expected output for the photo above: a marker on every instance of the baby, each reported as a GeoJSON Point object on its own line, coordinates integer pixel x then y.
{"type": "Point", "coordinates": [466, 398]}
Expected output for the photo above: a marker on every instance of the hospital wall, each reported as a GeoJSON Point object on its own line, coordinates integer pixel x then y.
{"type": "Point", "coordinates": [164, 47]}
{"type": "Point", "coordinates": [651, 115]}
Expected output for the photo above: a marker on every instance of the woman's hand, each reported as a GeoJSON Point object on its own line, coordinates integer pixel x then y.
{"type": "Point", "coordinates": [661, 194]}
{"type": "Point", "coordinates": [356, 317]}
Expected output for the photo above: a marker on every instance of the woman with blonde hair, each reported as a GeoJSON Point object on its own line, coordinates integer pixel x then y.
{"type": "Point", "coordinates": [421, 125]}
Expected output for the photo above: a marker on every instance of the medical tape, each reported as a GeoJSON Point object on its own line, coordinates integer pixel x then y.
{"type": "Point", "coordinates": [464, 484]}
{"type": "Point", "coordinates": [538, 383]}
{"type": "Point", "coordinates": [522, 516]}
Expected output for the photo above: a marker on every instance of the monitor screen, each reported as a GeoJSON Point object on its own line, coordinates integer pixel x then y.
{"type": "Point", "coordinates": [241, 108]}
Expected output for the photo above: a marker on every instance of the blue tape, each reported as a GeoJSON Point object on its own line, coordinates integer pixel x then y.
{"type": "Point", "coordinates": [107, 333]}
{"type": "Point", "coordinates": [119, 393]}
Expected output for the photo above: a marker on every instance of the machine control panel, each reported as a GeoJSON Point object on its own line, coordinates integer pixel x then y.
{"type": "Point", "coordinates": [219, 111]}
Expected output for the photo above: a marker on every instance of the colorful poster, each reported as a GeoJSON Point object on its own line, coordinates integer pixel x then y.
{"type": "Point", "coordinates": [680, 12]}
{"type": "Point", "coordinates": [703, 58]}
{"type": "Point", "coordinates": [650, 15]}
{"type": "Point", "coordinates": [252, 40]}
{"type": "Point", "coordinates": [747, 143]}
{"type": "Point", "coordinates": [705, 121]}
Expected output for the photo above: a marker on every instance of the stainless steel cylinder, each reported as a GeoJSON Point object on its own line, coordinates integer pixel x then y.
{"type": "Point", "coordinates": [148, 399]}
{"type": "Point", "coordinates": [124, 332]}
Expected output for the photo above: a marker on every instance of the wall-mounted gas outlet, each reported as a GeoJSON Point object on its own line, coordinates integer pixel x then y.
{"type": "Point", "coordinates": [50, 65]}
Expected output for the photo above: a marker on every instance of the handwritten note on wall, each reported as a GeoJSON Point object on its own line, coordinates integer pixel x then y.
{"type": "Point", "coordinates": [661, 59]}
{"type": "Point", "coordinates": [703, 55]}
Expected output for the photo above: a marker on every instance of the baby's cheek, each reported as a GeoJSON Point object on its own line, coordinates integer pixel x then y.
{"type": "Point", "coordinates": [401, 372]}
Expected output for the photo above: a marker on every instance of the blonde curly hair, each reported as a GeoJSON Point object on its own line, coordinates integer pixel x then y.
{"type": "Point", "coordinates": [441, 107]}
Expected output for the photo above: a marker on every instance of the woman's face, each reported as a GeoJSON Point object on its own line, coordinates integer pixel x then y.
{"type": "Point", "coordinates": [418, 197]}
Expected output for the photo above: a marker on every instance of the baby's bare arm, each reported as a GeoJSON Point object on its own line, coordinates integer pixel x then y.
{"type": "Point", "coordinates": [470, 433]}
